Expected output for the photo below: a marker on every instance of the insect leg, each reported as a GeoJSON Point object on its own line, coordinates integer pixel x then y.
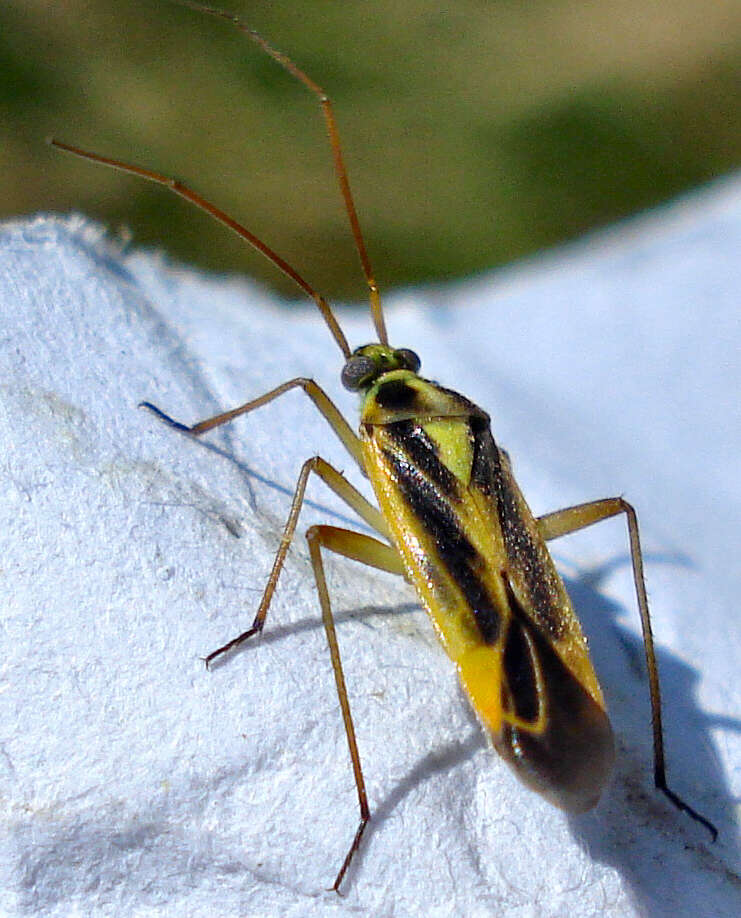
{"type": "Point", "coordinates": [374, 553]}
{"type": "Point", "coordinates": [342, 487]}
{"type": "Point", "coordinates": [328, 409]}
{"type": "Point", "coordinates": [571, 519]}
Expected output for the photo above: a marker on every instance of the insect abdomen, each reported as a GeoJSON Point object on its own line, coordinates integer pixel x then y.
{"type": "Point", "coordinates": [447, 494]}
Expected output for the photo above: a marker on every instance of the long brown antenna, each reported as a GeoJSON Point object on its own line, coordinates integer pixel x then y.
{"type": "Point", "coordinates": [334, 139]}
{"type": "Point", "coordinates": [192, 196]}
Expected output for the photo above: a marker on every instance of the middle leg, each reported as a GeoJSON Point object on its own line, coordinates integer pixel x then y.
{"type": "Point", "coordinates": [342, 487]}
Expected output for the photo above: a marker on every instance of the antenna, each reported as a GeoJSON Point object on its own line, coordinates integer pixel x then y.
{"type": "Point", "coordinates": [334, 140]}
{"type": "Point", "coordinates": [185, 192]}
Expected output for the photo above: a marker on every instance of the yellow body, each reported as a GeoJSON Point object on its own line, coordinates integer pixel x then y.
{"type": "Point", "coordinates": [473, 551]}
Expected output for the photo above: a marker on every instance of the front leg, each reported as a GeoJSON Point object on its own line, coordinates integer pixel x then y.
{"type": "Point", "coordinates": [326, 406]}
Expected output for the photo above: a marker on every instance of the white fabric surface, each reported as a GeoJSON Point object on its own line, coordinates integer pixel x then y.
{"type": "Point", "coordinates": [136, 783]}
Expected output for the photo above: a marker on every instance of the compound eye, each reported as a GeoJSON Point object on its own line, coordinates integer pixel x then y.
{"type": "Point", "coordinates": [357, 372]}
{"type": "Point", "coordinates": [410, 360]}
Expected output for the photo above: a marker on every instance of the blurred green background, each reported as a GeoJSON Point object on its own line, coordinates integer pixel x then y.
{"type": "Point", "coordinates": [475, 132]}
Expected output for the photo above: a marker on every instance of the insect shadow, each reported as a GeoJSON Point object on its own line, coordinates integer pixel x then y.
{"type": "Point", "coordinates": [690, 871]}
{"type": "Point", "coordinates": [251, 475]}
{"type": "Point", "coordinates": [609, 833]}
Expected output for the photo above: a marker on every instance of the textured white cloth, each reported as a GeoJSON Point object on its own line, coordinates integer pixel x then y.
{"type": "Point", "coordinates": [134, 782]}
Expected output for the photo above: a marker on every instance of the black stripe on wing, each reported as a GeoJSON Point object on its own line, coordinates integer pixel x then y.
{"type": "Point", "coordinates": [430, 490]}
{"type": "Point", "coordinates": [524, 548]}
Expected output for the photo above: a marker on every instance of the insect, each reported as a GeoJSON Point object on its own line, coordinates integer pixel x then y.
{"type": "Point", "coordinates": [452, 521]}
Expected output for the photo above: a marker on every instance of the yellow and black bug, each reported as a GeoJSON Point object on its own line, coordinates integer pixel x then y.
{"type": "Point", "coordinates": [453, 522]}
